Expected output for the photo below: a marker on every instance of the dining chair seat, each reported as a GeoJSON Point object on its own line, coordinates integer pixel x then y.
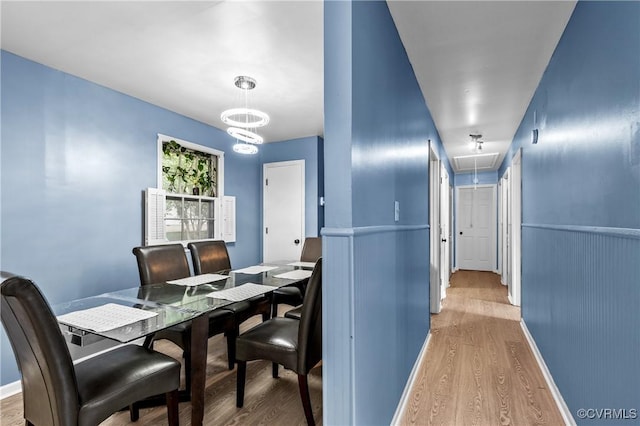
{"type": "Point", "coordinates": [292, 343]}
{"type": "Point", "coordinates": [57, 392]}
{"type": "Point", "coordinates": [119, 377]}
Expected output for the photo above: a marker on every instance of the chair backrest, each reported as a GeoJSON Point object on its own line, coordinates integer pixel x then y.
{"type": "Point", "coordinates": [310, 329]}
{"type": "Point", "coordinates": [209, 257]}
{"type": "Point", "coordinates": [312, 249]}
{"type": "Point", "coordinates": [158, 264]}
{"type": "Point", "coordinates": [49, 386]}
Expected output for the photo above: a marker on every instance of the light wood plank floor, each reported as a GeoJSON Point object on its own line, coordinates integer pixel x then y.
{"type": "Point", "coordinates": [478, 368]}
{"type": "Point", "coordinates": [267, 401]}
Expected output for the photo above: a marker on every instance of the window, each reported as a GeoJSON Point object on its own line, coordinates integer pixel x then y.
{"type": "Point", "coordinates": [190, 204]}
{"type": "Point", "coordinates": [188, 219]}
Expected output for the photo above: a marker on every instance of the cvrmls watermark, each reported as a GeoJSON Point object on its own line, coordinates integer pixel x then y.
{"type": "Point", "coordinates": [607, 413]}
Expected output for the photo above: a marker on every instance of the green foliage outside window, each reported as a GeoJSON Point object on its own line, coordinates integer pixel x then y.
{"type": "Point", "coordinates": [185, 171]}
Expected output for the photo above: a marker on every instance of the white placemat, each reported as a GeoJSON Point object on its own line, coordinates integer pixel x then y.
{"type": "Point", "coordinates": [105, 317]}
{"type": "Point", "coordinates": [297, 274]}
{"type": "Point", "coordinates": [257, 269]}
{"type": "Point", "coordinates": [242, 292]}
{"type": "Point", "coordinates": [199, 279]}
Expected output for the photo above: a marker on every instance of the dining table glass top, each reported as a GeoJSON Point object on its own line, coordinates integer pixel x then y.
{"type": "Point", "coordinates": [173, 304]}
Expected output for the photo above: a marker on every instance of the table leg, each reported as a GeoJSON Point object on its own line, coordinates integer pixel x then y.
{"type": "Point", "coordinates": [199, 338]}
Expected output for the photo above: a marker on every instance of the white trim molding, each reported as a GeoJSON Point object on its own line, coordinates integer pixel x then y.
{"type": "Point", "coordinates": [10, 389]}
{"type": "Point", "coordinates": [555, 392]}
{"type": "Point", "coordinates": [404, 398]}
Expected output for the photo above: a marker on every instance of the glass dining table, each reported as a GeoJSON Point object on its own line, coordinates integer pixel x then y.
{"type": "Point", "coordinates": [171, 304]}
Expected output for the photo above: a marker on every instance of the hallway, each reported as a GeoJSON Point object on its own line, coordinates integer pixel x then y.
{"type": "Point", "coordinates": [478, 368]}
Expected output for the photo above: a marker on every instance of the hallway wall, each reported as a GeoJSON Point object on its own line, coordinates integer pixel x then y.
{"type": "Point", "coordinates": [376, 270]}
{"type": "Point", "coordinates": [581, 210]}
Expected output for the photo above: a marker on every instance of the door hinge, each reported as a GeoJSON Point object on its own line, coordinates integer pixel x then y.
{"type": "Point", "coordinates": [266, 230]}
{"type": "Point", "coordinates": [266, 182]}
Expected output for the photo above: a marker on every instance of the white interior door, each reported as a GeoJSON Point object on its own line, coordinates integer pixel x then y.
{"type": "Point", "coordinates": [435, 282]}
{"type": "Point", "coordinates": [476, 238]}
{"type": "Point", "coordinates": [515, 231]}
{"type": "Point", "coordinates": [283, 210]}
{"type": "Point", "coordinates": [445, 241]}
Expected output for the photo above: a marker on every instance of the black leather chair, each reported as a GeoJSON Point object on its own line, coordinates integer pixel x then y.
{"type": "Point", "coordinates": [158, 264]}
{"type": "Point", "coordinates": [294, 344]}
{"type": "Point", "coordinates": [293, 295]}
{"type": "Point", "coordinates": [212, 257]}
{"type": "Point", "coordinates": [57, 392]}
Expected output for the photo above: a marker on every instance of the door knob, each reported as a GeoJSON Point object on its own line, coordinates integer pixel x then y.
{"type": "Point", "coordinates": [444, 240]}
{"type": "Point", "coordinates": [297, 241]}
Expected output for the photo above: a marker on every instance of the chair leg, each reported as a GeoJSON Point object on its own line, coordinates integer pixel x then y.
{"type": "Point", "coordinates": [148, 341]}
{"type": "Point", "coordinates": [231, 347]}
{"type": "Point", "coordinates": [306, 400]}
{"type": "Point", "coordinates": [274, 370]}
{"type": "Point", "coordinates": [274, 310]}
{"type": "Point", "coordinates": [242, 374]}
{"type": "Point", "coordinates": [266, 316]}
{"type": "Point", "coordinates": [134, 412]}
{"type": "Point", "coordinates": [172, 408]}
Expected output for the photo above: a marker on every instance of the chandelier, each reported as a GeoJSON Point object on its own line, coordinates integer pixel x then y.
{"type": "Point", "coordinates": [243, 121]}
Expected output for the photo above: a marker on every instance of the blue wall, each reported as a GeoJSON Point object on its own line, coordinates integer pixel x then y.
{"type": "Point", "coordinates": [76, 158]}
{"type": "Point", "coordinates": [581, 210]}
{"type": "Point", "coordinates": [377, 128]}
{"type": "Point", "coordinates": [310, 150]}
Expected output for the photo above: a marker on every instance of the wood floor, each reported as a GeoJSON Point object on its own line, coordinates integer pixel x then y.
{"type": "Point", "coordinates": [267, 401]}
{"type": "Point", "coordinates": [478, 368]}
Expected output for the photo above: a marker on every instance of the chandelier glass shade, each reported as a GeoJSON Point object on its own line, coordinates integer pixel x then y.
{"type": "Point", "coordinates": [243, 121]}
{"type": "Point", "coordinates": [245, 135]}
{"type": "Point", "coordinates": [244, 117]}
{"type": "Point", "coordinates": [245, 148]}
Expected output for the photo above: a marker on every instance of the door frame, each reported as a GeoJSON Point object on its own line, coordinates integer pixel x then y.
{"type": "Point", "coordinates": [494, 215]}
{"type": "Point", "coordinates": [515, 283]}
{"type": "Point", "coordinates": [435, 287]}
{"type": "Point", "coordinates": [265, 167]}
{"type": "Point", "coordinates": [445, 230]}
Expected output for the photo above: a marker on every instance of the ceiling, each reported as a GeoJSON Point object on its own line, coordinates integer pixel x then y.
{"type": "Point", "coordinates": [477, 63]}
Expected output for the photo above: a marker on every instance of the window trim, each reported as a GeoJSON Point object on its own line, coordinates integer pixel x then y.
{"type": "Point", "coordinates": [220, 154]}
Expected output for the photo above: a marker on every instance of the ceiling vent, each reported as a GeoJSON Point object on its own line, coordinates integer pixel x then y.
{"type": "Point", "coordinates": [465, 163]}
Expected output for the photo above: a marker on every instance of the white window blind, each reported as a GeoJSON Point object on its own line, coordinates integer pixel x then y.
{"type": "Point", "coordinates": [154, 230]}
{"type": "Point", "coordinates": [229, 219]}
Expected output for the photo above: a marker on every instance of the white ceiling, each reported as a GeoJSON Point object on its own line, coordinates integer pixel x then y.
{"type": "Point", "coordinates": [478, 63]}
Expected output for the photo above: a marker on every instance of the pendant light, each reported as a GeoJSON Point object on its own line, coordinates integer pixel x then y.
{"type": "Point", "coordinates": [243, 121]}
{"type": "Point", "coordinates": [477, 148]}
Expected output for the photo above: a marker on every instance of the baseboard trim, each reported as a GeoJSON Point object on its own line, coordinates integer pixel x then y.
{"type": "Point", "coordinates": [555, 392]}
{"type": "Point", "coordinates": [10, 389]}
{"type": "Point", "coordinates": [402, 404]}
